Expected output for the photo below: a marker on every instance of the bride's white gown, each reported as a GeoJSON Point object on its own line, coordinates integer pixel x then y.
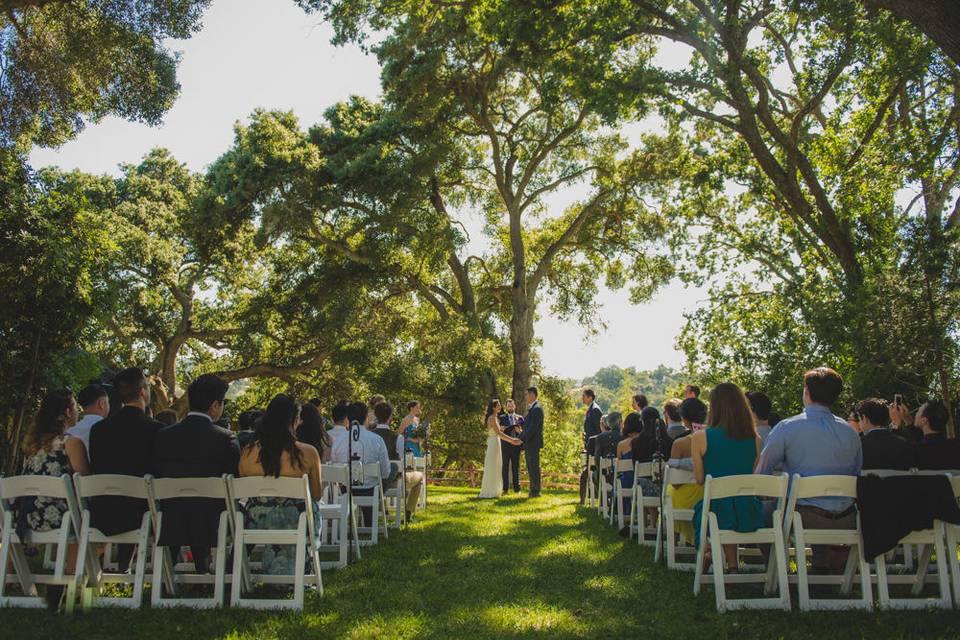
{"type": "Point", "coordinates": [492, 485]}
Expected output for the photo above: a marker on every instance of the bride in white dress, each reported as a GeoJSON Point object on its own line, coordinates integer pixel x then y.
{"type": "Point", "coordinates": [492, 485]}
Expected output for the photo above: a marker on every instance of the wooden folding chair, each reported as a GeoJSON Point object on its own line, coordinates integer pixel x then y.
{"type": "Point", "coordinates": [668, 519]}
{"type": "Point", "coordinates": [12, 546]}
{"type": "Point", "coordinates": [818, 487]}
{"type": "Point", "coordinates": [305, 538]}
{"type": "Point", "coordinates": [759, 486]}
{"type": "Point", "coordinates": [91, 538]}
{"type": "Point", "coordinates": [167, 574]}
{"type": "Point", "coordinates": [620, 492]}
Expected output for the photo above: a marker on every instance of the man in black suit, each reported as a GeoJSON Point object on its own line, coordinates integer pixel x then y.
{"type": "Point", "coordinates": [532, 438]}
{"type": "Point", "coordinates": [195, 447]}
{"type": "Point", "coordinates": [509, 421]}
{"type": "Point", "coordinates": [121, 444]}
{"type": "Point", "coordinates": [591, 429]}
{"type": "Point", "coordinates": [882, 447]}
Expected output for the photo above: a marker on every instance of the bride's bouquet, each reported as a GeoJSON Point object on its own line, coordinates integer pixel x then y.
{"type": "Point", "coordinates": [421, 431]}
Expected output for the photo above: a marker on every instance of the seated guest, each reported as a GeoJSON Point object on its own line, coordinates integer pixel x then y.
{"type": "Point", "coordinates": [652, 440]}
{"type": "Point", "coordinates": [639, 402]}
{"type": "Point", "coordinates": [412, 479]}
{"type": "Point", "coordinates": [904, 424]}
{"type": "Point", "coordinates": [760, 409]}
{"type": "Point", "coordinates": [95, 402]}
{"type": "Point", "coordinates": [195, 447]}
{"type": "Point", "coordinates": [122, 444]}
{"type": "Point", "coordinates": [935, 451]}
{"type": "Point", "coordinates": [817, 443]}
{"type": "Point", "coordinates": [276, 452]}
{"type": "Point", "coordinates": [882, 447]}
{"type": "Point", "coordinates": [606, 443]}
{"type": "Point", "coordinates": [341, 423]}
{"type": "Point", "coordinates": [371, 420]}
{"type": "Point", "coordinates": [167, 417]}
{"type": "Point", "coordinates": [369, 448]}
{"type": "Point", "coordinates": [691, 391]}
{"type": "Point", "coordinates": [693, 413]}
{"type": "Point", "coordinates": [408, 428]}
{"type": "Point", "coordinates": [728, 446]}
{"type": "Point", "coordinates": [46, 453]}
{"type": "Point", "coordinates": [671, 413]}
{"type": "Point", "coordinates": [247, 423]}
{"type": "Point", "coordinates": [311, 431]}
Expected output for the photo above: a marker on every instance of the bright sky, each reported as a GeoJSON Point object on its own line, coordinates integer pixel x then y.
{"type": "Point", "coordinates": [260, 53]}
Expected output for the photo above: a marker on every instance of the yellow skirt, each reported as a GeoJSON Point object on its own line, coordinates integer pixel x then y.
{"type": "Point", "coordinates": [685, 496]}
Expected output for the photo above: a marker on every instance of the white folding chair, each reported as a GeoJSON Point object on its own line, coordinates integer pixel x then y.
{"type": "Point", "coordinates": [953, 542]}
{"type": "Point", "coordinates": [606, 489]}
{"type": "Point", "coordinates": [335, 514]}
{"type": "Point", "coordinates": [305, 538]}
{"type": "Point", "coordinates": [422, 464]}
{"type": "Point", "coordinates": [620, 492]}
{"type": "Point", "coordinates": [376, 504]}
{"type": "Point", "coordinates": [930, 541]}
{"type": "Point", "coordinates": [98, 576]}
{"type": "Point", "coordinates": [640, 504]}
{"type": "Point", "coordinates": [165, 570]}
{"type": "Point", "coordinates": [818, 487]}
{"type": "Point", "coordinates": [12, 546]}
{"type": "Point", "coordinates": [666, 523]}
{"type": "Point", "coordinates": [592, 481]}
{"type": "Point", "coordinates": [752, 485]}
{"type": "Point", "coordinates": [395, 498]}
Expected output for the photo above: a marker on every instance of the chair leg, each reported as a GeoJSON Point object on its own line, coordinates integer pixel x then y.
{"type": "Point", "coordinates": [803, 584]}
{"type": "Point", "coordinates": [716, 547]}
{"type": "Point", "coordinates": [781, 562]}
{"type": "Point", "coordinates": [220, 564]}
{"type": "Point", "coordinates": [239, 561]}
{"type": "Point", "coordinates": [883, 588]}
{"type": "Point", "coordinates": [140, 572]}
{"type": "Point", "coordinates": [941, 552]}
{"type": "Point", "coordinates": [301, 559]}
{"type": "Point", "coordinates": [953, 539]}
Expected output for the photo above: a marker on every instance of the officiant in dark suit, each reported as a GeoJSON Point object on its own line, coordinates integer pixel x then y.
{"type": "Point", "coordinates": [591, 429]}
{"type": "Point", "coordinates": [531, 435]}
{"type": "Point", "coordinates": [509, 421]}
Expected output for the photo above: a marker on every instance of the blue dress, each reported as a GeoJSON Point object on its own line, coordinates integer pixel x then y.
{"type": "Point", "coordinates": [727, 457]}
{"type": "Point", "coordinates": [408, 445]}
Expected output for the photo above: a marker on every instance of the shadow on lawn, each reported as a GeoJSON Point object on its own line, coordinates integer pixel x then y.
{"type": "Point", "coordinates": [476, 568]}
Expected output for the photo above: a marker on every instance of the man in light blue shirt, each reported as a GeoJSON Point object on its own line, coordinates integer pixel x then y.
{"type": "Point", "coordinates": [817, 443]}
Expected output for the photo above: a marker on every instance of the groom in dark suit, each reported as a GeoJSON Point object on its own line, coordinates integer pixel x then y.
{"type": "Point", "coordinates": [532, 438]}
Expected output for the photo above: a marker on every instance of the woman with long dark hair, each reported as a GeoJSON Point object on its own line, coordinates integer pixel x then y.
{"type": "Point", "coordinates": [728, 446]}
{"type": "Point", "coordinates": [639, 444]}
{"type": "Point", "coordinates": [274, 451]}
{"type": "Point", "coordinates": [311, 431]}
{"type": "Point", "coordinates": [49, 451]}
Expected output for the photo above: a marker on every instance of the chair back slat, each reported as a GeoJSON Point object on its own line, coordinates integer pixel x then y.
{"type": "Point", "coordinates": [672, 475]}
{"type": "Point", "coordinates": [746, 485]}
{"type": "Point", "coordinates": [35, 486]}
{"type": "Point", "coordinates": [266, 487]}
{"type": "Point", "coordinates": [825, 486]}
{"type": "Point", "coordinates": [644, 469]}
{"type": "Point", "coordinates": [168, 488]}
{"type": "Point", "coordinates": [623, 466]}
{"type": "Point", "coordinates": [108, 484]}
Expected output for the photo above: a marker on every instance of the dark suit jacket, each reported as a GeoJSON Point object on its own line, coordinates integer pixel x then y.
{"type": "Point", "coordinates": [938, 453]}
{"type": "Point", "coordinates": [591, 427]}
{"type": "Point", "coordinates": [884, 449]}
{"type": "Point", "coordinates": [121, 444]}
{"type": "Point", "coordinates": [606, 443]}
{"type": "Point", "coordinates": [193, 448]}
{"type": "Point", "coordinates": [508, 429]}
{"type": "Point", "coordinates": [532, 435]}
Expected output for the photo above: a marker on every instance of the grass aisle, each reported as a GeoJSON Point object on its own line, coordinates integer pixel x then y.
{"type": "Point", "coordinates": [483, 569]}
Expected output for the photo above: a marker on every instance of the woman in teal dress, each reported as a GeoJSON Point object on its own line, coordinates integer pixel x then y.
{"type": "Point", "coordinates": [728, 446]}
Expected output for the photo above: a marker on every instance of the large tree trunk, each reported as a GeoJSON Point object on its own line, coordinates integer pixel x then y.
{"type": "Point", "coordinates": [521, 341]}
{"type": "Point", "coordinates": [939, 20]}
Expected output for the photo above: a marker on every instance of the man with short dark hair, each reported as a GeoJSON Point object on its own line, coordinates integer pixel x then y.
{"type": "Point", "coordinates": [639, 402]}
{"type": "Point", "coordinates": [935, 451]}
{"type": "Point", "coordinates": [341, 422]}
{"type": "Point", "coordinates": [671, 412]}
{"type": "Point", "coordinates": [196, 447]}
{"type": "Point", "coordinates": [394, 441]}
{"type": "Point", "coordinates": [369, 448]}
{"type": "Point", "coordinates": [532, 438]}
{"type": "Point", "coordinates": [818, 443]}
{"type": "Point", "coordinates": [691, 391]}
{"type": "Point", "coordinates": [882, 447]}
{"type": "Point", "coordinates": [591, 429]}
{"type": "Point", "coordinates": [95, 402]}
{"type": "Point", "coordinates": [760, 407]}
{"type": "Point", "coordinates": [122, 444]}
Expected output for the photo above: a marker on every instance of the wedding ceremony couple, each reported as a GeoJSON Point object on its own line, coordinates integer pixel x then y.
{"type": "Point", "coordinates": [507, 434]}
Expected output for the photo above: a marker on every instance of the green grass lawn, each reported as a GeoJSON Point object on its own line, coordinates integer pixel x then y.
{"type": "Point", "coordinates": [482, 569]}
